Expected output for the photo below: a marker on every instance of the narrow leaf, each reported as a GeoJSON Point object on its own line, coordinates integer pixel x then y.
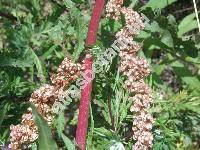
{"type": "Point", "coordinates": [68, 143]}
{"type": "Point", "coordinates": [45, 139]}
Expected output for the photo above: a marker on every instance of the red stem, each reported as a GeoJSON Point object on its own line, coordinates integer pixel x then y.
{"type": "Point", "coordinates": [81, 131]}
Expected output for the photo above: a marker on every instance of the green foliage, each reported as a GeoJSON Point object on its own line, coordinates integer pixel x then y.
{"type": "Point", "coordinates": [68, 143]}
{"type": "Point", "coordinates": [40, 33]}
{"type": "Point", "coordinates": [177, 121]}
{"type": "Point", "coordinates": [187, 24]}
{"type": "Point", "coordinates": [156, 4]}
{"type": "Point", "coordinates": [45, 140]}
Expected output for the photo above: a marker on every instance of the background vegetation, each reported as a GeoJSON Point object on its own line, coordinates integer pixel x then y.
{"type": "Point", "coordinates": [36, 35]}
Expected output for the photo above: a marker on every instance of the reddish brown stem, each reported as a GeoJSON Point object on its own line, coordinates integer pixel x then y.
{"type": "Point", "coordinates": [94, 22]}
{"type": "Point", "coordinates": [81, 131]}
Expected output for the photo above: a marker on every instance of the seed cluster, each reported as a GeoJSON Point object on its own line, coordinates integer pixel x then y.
{"type": "Point", "coordinates": [67, 72]}
{"type": "Point", "coordinates": [135, 69]}
{"type": "Point", "coordinates": [113, 9]}
{"type": "Point", "coordinates": [43, 99]}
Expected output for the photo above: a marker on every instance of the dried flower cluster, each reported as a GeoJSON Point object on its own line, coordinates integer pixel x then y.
{"type": "Point", "coordinates": [136, 69]}
{"type": "Point", "coordinates": [67, 72]}
{"type": "Point", "coordinates": [113, 9]}
{"type": "Point", "coordinates": [43, 99]}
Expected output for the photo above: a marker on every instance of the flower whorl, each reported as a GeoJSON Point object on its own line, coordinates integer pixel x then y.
{"type": "Point", "coordinates": [136, 69]}
{"type": "Point", "coordinates": [43, 99]}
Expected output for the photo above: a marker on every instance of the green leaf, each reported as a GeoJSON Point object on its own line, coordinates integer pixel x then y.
{"type": "Point", "coordinates": [154, 27]}
{"type": "Point", "coordinates": [188, 23]}
{"type": "Point", "coordinates": [59, 122]}
{"type": "Point", "coordinates": [70, 30]}
{"type": "Point", "coordinates": [21, 63]}
{"type": "Point", "coordinates": [4, 80]}
{"type": "Point", "coordinates": [193, 82]}
{"type": "Point", "coordinates": [158, 68]}
{"type": "Point", "coordinates": [34, 146]}
{"type": "Point", "coordinates": [103, 132]}
{"type": "Point", "coordinates": [78, 1]}
{"type": "Point", "coordinates": [38, 63]}
{"type": "Point", "coordinates": [124, 107]}
{"type": "Point", "coordinates": [134, 3]}
{"type": "Point", "coordinates": [117, 146]}
{"type": "Point", "coordinates": [80, 28]}
{"type": "Point", "coordinates": [91, 132]}
{"type": "Point", "coordinates": [48, 52]}
{"type": "Point", "coordinates": [3, 110]}
{"type": "Point", "coordinates": [36, 4]}
{"type": "Point", "coordinates": [167, 38]}
{"type": "Point", "coordinates": [45, 139]}
{"type": "Point", "coordinates": [80, 31]}
{"type": "Point", "coordinates": [185, 75]}
{"type": "Point", "coordinates": [158, 4]}
{"type": "Point", "coordinates": [165, 35]}
{"type": "Point", "coordinates": [68, 143]}
{"type": "Point", "coordinates": [69, 4]}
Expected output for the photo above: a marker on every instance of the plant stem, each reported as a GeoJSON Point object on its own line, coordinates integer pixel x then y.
{"type": "Point", "coordinates": [94, 23]}
{"type": "Point", "coordinates": [81, 131]}
{"type": "Point", "coordinates": [196, 13]}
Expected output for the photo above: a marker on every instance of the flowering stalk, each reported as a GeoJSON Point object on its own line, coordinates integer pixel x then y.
{"type": "Point", "coordinates": [43, 99]}
{"type": "Point", "coordinates": [82, 125]}
{"type": "Point", "coordinates": [135, 69]}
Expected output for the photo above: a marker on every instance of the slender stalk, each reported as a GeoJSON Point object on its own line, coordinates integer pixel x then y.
{"type": "Point", "coordinates": [196, 12]}
{"type": "Point", "coordinates": [81, 131]}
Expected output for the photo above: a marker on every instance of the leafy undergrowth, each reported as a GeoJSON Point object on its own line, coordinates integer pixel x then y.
{"type": "Point", "coordinates": [36, 35]}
